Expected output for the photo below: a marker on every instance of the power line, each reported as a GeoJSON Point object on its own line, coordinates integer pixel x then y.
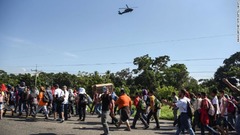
{"type": "Point", "coordinates": [157, 42]}
{"type": "Point", "coordinates": [113, 63]}
{"type": "Point", "coordinates": [141, 43]}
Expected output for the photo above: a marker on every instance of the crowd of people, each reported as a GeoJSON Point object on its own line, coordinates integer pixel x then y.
{"type": "Point", "coordinates": [217, 113]}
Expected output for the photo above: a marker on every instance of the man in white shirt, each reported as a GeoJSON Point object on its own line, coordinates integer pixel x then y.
{"type": "Point", "coordinates": [58, 107]}
{"type": "Point", "coordinates": [65, 102]}
{"type": "Point", "coordinates": [197, 107]}
{"type": "Point", "coordinates": [184, 120]}
{"type": "Point", "coordinates": [215, 103]}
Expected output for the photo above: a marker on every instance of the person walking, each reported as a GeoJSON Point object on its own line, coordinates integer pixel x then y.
{"type": "Point", "coordinates": [124, 104]}
{"type": "Point", "coordinates": [2, 95]}
{"type": "Point", "coordinates": [184, 119]}
{"type": "Point", "coordinates": [58, 103]}
{"type": "Point", "coordinates": [33, 97]}
{"type": "Point", "coordinates": [153, 110]}
{"type": "Point", "coordinates": [236, 92]}
{"type": "Point", "coordinates": [82, 104]}
{"type": "Point", "coordinates": [141, 108]}
{"type": "Point", "coordinates": [197, 107]}
{"type": "Point", "coordinates": [41, 103]}
{"type": "Point", "coordinates": [204, 116]}
{"type": "Point", "coordinates": [174, 109]}
{"type": "Point", "coordinates": [50, 103]}
{"type": "Point", "coordinates": [107, 104]}
{"type": "Point", "coordinates": [65, 102]}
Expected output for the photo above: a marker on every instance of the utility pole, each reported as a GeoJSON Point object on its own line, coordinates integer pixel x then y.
{"type": "Point", "coordinates": [37, 72]}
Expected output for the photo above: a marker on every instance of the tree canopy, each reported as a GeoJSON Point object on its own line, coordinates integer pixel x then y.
{"type": "Point", "coordinates": [151, 73]}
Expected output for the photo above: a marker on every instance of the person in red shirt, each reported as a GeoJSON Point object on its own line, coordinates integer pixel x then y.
{"type": "Point", "coordinates": [139, 114]}
{"type": "Point", "coordinates": [204, 117]}
{"type": "Point", "coordinates": [124, 104]}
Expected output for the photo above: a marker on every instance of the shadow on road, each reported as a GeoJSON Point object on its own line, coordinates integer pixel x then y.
{"type": "Point", "coordinates": [45, 134]}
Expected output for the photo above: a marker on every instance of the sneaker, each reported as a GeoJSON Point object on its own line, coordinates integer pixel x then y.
{"type": "Point", "coordinates": [146, 127]}
{"type": "Point", "coordinates": [126, 129]}
{"type": "Point", "coordinates": [58, 119]}
{"type": "Point", "coordinates": [62, 121]}
{"type": "Point", "coordinates": [133, 127]}
{"type": "Point", "coordinates": [116, 124]}
{"type": "Point", "coordinates": [156, 128]}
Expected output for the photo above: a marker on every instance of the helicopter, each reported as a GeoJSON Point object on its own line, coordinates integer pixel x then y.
{"type": "Point", "coordinates": [126, 10]}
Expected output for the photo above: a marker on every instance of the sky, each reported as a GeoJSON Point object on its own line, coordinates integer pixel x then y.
{"type": "Point", "coordinates": [89, 35]}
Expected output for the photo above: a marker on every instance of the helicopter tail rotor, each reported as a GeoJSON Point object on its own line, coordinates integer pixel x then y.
{"type": "Point", "coordinates": [120, 13]}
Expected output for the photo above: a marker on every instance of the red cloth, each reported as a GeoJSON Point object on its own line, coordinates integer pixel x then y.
{"type": "Point", "coordinates": [136, 101]}
{"type": "Point", "coordinates": [204, 112]}
{"type": "Point", "coordinates": [3, 87]}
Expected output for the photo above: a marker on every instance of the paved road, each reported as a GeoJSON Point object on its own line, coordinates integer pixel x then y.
{"type": "Point", "coordinates": [91, 126]}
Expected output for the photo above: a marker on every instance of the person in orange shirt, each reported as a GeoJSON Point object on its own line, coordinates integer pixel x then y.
{"type": "Point", "coordinates": [124, 104]}
{"type": "Point", "coordinates": [41, 103]}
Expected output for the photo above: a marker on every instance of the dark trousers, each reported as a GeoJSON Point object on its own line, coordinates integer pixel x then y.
{"type": "Point", "coordinates": [66, 111]}
{"type": "Point", "coordinates": [154, 113]}
{"type": "Point", "coordinates": [20, 107]}
{"type": "Point", "coordinates": [139, 114]}
{"type": "Point", "coordinates": [196, 120]}
{"type": "Point", "coordinates": [82, 112]}
{"type": "Point", "coordinates": [33, 109]}
{"type": "Point", "coordinates": [210, 129]}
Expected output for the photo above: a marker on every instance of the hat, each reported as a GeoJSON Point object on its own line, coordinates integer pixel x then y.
{"type": "Point", "coordinates": [81, 91]}
{"type": "Point", "coordinates": [104, 89]}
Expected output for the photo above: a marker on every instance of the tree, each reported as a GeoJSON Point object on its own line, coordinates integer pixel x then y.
{"type": "Point", "coordinates": [230, 69]}
{"type": "Point", "coordinates": [176, 75]}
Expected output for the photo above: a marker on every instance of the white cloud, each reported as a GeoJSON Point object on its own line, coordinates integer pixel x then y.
{"type": "Point", "coordinates": [18, 41]}
{"type": "Point", "coordinates": [68, 54]}
{"type": "Point", "coordinates": [24, 69]}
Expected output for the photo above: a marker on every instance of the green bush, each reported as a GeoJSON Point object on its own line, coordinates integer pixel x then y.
{"type": "Point", "coordinates": [166, 113]}
{"type": "Point", "coordinates": [164, 92]}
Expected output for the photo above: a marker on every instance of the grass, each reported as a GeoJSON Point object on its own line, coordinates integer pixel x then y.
{"type": "Point", "coordinates": [166, 113]}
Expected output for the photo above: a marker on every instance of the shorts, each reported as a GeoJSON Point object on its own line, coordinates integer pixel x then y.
{"type": "Point", "coordinates": [58, 107]}
{"type": "Point", "coordinates": [124, 114]}
{"type": "Point", "coordinates": [1, 106]}
{"type": "Point", "coordinates": [9, 107]}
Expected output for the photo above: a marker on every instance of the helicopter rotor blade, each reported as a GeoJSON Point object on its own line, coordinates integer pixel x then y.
{"type": "Point", "coordinates": [127, 6]}
{"type": "Point", "coordinates": [122, 8]}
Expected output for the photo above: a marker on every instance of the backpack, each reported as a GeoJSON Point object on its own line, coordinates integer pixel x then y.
{"type": "Point", "coordinates": [211, 110]}
{"type": "Point", "coordinates": [231, 107]}
{"type": "Point", "coordinates": [34, 100]}
{"type": "Point", "coordinates": [157, 104]}
{"type": "Point", "coordinates": [12, 97]}
{"type": "Point", "coordinates": [142, 105]}
{"type": "Point", "coordinates": [50, 95]}
{"type": "Point", "coordinates": [84, 99]}
{"type": "Point", "coordinates": [190, 110]}
{"type": "Point", "coordinates": [46, 97]}
{"type": "Point", "coordinates": [148, 101]}
{"type": "Point", "coordinates": [71, 98]}
{"type": "Point", "coordinates": [25, 96]}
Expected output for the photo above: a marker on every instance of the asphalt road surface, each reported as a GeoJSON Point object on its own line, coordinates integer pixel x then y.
{"type": "Point", "coordinates": [92, 126]}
